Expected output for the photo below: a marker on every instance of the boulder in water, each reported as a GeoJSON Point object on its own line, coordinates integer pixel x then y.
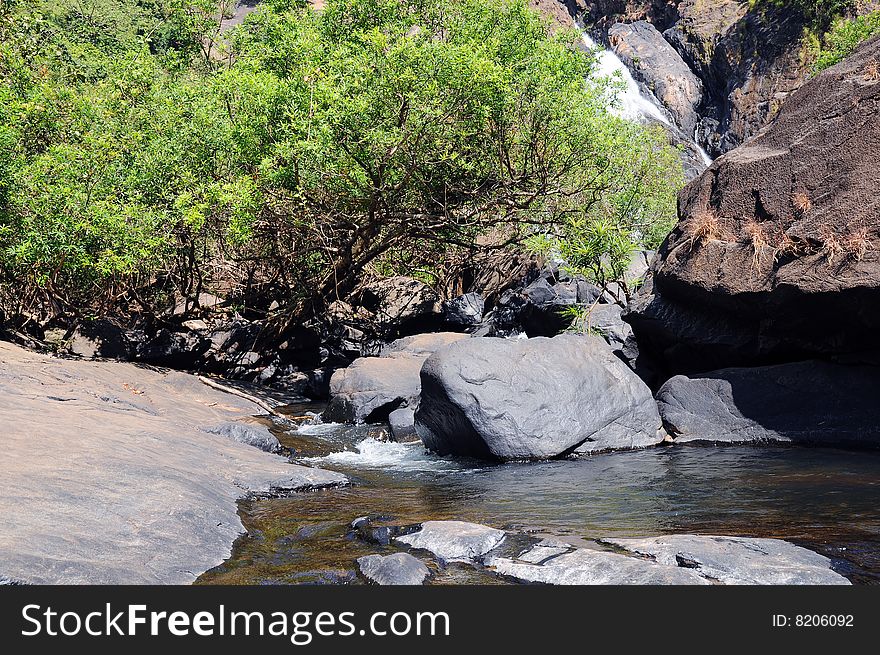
{"type": "Point", "coordinates": [805, 402]}
{"type": "Point", "coordinates": [454, 541]}
{"type": "Point", "coordinates": [532, 399]}
{"type": "Point", "coordinates": [373, 387]}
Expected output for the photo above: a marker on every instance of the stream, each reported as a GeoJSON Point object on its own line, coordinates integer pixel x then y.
{"type": "Point", "coordinates": [822, 499]}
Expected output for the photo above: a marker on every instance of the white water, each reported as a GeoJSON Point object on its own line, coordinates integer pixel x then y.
{"type": "Point", "coordinates": [632, 104]}
{"type": "Point", "coordinates": [388, 455]}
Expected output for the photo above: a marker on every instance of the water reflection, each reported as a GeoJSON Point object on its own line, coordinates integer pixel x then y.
{"type": "Point", "coordinates": [824, 499]}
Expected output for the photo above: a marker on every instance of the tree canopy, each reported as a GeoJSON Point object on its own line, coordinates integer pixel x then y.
{"type": "Point", "coordinates": [146, 154]}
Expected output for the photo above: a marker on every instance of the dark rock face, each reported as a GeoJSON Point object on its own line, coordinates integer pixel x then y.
{"type": "Point", "coordinates": [402, 303]}
{"type": "Point", "coordinates": [533, 398]}
{"type": "Point", "coordinates": [181, 350]}
{"type": "Point", "coordinates": [805, 402]}
{"type": "Point", "coordinates": [657, 64]}
{"type": "Point", "coordinates": [465, 310]}
{"type": "Point", "coordinates": [373, 387]}
{"type": "Point", "coordinates": [100, 338]}
{"type": "Point", "coordinates": [778, 238]}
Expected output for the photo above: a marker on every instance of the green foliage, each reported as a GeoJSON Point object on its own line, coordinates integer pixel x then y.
{"type": "Point", "coordinates": [844, 36]}
{"type": "Point", "coordinates": [375, 134]}
{"type": "Point", "coordinates": [818, 13]}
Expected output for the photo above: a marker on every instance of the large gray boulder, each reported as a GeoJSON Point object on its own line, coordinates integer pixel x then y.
{"type": "Point", "coordinates": [396, 569]}
{"type": "Point", "coordinates": [656, 63]}
{"type": "Point", "coordinates": [533, 399]}
{"type": "Point", "coordinates": [737, 560]}
{"type": "Point", "coordinates": [373, 387]}
{"type": "Point", "coordinates": [804, 402]}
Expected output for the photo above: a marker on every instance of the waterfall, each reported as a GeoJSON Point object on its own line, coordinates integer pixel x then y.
{"type": "Point", "coordinates": [633, 103]}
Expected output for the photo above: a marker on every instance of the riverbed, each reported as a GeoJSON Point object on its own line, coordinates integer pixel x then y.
{"type": "Point", "coordinates": [827, 500]}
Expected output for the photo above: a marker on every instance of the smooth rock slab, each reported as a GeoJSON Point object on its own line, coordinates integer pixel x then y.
{"type": "Point", "coordinates": [533, 399]}
{"type": "Point", "coordinates": [109, 476]}
{"type": "Point", "coordinates": [584, 566]}
{"type": "Point", "coordinates": [738, 560]}
{"type": "Point", "coordinates": [396, 569]}
{"type": "Point", "coordinates": [454, 541]}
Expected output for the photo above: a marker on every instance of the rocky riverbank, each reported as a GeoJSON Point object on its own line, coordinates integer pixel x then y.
{"type": "Point", "coordinates": [118, 474]}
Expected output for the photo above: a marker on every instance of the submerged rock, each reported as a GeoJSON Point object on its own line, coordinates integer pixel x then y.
{"type": "Point", "coordinates": [533, 398]}
{"type": "Point", "coordinates": [454, 541]}
{"type": "Point", "coordinates": [396, 569]}
{"type": "Point", "coordinates": [805, 402]}
{"type": "Point", "coordinates": [373, 387]}
{"type": "Point", "coordinates": [737, 560]}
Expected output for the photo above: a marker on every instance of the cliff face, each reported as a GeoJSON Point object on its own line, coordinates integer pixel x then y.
{"type": "Point", "coordinates": [776, 253]}
{"type": "Point", "coordinates": [748, 59]}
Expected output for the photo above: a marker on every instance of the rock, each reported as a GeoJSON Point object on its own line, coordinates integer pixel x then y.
{"type": "Point", "coordinates": [257, 436]}
{"type": "Point", "coordinates": [533, 398]}
{"type": "Point", "coordinates": [109, 478]}
{"type": "Point", "coordinates": [202, 301]}
{"type": "Point", "coordinates": [403, 425]}
{"type": "Point", "coordinates": [607, 322]}
{"type": "Point", "coordinates": [585, 566]}
{"type": "Point", "coordinates": [374, 529]}
{"type": "Point", "coordinates": [183, 350]}
{"type": "Point", "coordinates": [465, 310]}
{"type": "Point", "coordinates": [701, 25]}
{"type": "Point", "coordinates": [771, 248]}
{"type": "Point", "coordinates": [195, 325]}
{"type": "Point", "coordinates": [657, 64]}
{"type": "Point", "coordinates": [99, 338]}
{"type": "Point", "coordinates": [402, 303]}
{"type": "Point", "coordinates": [737, 560]}
{"type": "Point", "coordinates": [454, 541]}
{"type": "Point", "coordinates": [373, 387]}
{"type": "Point", "coordinates": [396, 569]}
{"type": "Point", "coordinates": [812, 402]}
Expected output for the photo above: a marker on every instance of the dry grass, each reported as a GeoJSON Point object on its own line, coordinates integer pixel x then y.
{"type": "Point", "coordinates": [872, 71]}
{"type": "Point", "coordinates": [802, 203]}
{"type": "Point", "coordinates": [702, 226]}
{"type": "Point", "coordinates": [856, 244]}
{"type": "Point", "coordinates": [756, 237]}
{"type": "Point", "coordinates": [831, 245]}
{"type": "Point", "coordinates": [785, 246]}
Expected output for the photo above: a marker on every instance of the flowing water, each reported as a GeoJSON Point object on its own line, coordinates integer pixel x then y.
{"type": "Point", "coordinates": [827, 500]}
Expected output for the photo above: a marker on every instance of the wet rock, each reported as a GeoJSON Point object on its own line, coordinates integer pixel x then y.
{"type": "Point", "coordinates": [403, 425]}
{"type": "Point", "coordinates": [812, 402]}
{"type": "Point", "coordinates": [737, 560]}
{"type": "Point", "coordinates": [533, 398]}
{"type": "Point", "coordinates": [257, 436]}
{"type": "Point", "coordinates": [657, 64]}
{"type": "Point", "coordinates": [126, 487]}
{"type": "Point", "coordinates": [454, 541]}
{"type": "Point", "coordinates": [396, 569]}
{"type": "Point", "coordinates": [372, 387]}
{"type": "Point", "coordinates": [465, 310]}
{"type": "Point", "coordinates": [376, 530]}
{"type": "Point", "coordinates": [591, 567]}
